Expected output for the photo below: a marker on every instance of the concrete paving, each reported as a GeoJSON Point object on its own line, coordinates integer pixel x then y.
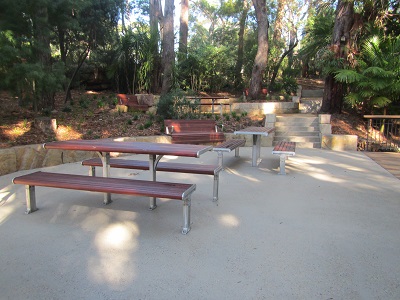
{"type": "Point", "coordinates": [329, 229]}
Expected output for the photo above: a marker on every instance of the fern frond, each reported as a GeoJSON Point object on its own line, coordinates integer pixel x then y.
{"type": "Point", "coordinates": [347, 76]}
{"type": "Point", "coordinates": [377, 71]}
{"type": "Point", "coordinates": [353, 99]}
{"type": "Point", "coordinates": [380, 101]}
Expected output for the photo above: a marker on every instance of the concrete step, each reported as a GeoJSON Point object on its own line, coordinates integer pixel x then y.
{"type": "Point", "coordinates": [302, 129]}
{"type": "Point", "coordinates": [294, 138]}
{"type": "Point", "coordinates": [297, 133]}
{"type": "Point", "coordinates": [297, 121]}
{"type": "Point", "coordinates": [290, 128]}
{"type": "Point", "coordinates": [304, 144]}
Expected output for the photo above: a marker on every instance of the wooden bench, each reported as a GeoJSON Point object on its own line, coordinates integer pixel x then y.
{"type": "Point", "coordinates": [284, 149]}
{"type": "Point", "coordinates": [161, 166]}
{"type": "Point", "coordinates": [193, 131]}
{"type": "Point", "coordinates": [228, 146]}
{"type": "Point", "coordinates": [131, 101]}
{"type": "Point", "coordinates": [177, 191]}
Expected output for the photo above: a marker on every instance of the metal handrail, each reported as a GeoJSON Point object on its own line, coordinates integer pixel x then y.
{"type": "Point", "coordinates": [383, 133]}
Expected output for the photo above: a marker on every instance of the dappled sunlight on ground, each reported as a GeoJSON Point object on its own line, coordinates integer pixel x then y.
{"type": "Point", "coordinates": [114, 244]}
{"type": "Point", "coordinates": [229, 220]}
{"type": "Point", "coordinates": [7, 196]}
{"type": "Point", "coordinates": [242, 175]}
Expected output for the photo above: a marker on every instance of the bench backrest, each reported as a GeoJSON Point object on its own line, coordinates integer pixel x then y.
{"type": "Point", "coordinates": [189, 126]}
{"type": "Point", "coordinates": [124, 99]}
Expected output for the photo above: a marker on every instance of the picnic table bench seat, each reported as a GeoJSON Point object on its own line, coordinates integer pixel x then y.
{"type": "Point", "coordinates": [193, 131]}
{"type": "Point", "coordinates": [228, 146]}
{"type": "Point", "coordinates": [177, 191]}
{"type": "Point", "coordinates": [161, 166]}
{"type": "Point", "coordinates": [284, 149]}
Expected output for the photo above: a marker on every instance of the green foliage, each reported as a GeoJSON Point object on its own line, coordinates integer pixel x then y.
{"type": "Point", "coordinates": [131, 60]}
{"type": "Point", "coordinates": [375, 80]}
{"type": "Point", "coordinates": [289, 85]}
{"type": "Point", "coordinates": [175, 105]}
{"type": "Point", "coordinates": [148, 124]}
{"type": "Point", "coordinates": [84, 102]}
{"type": "Point", "coordinates": [101, 103]}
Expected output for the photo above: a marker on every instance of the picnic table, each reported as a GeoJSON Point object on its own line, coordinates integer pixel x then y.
{"type": "Point", "coordinates": [107, 185]}
{"type": "Point", "coordinates": [214, 100]}
{"type": "Point", "coordinates": [257, 133]}
{"type": "Point", "coordinates": [155, 151]}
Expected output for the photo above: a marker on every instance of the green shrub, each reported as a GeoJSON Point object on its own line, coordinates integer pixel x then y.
{"type": "Point", "coordinates": [148, 124]}
{"type": "Point", "coordinates": [289, 85]}
{"type": "Point", "coordinates": [100, 104]}
{"type": "Point", "coordinates": [175, 105]}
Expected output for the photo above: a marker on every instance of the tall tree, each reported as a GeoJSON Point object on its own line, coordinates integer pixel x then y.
{"type": "Point", "coordinates": [341, 42]}
{"type": "Point", "coordinates": [30, 71]}
{"type": "Point", "coordinates": [240, 51]}
{"type": "Point", "coordinates": [183, 30]}
{"type": "Point", "coordinates": [261, 59]}
{"type": "Point", "coordinates": [155, 19]}
{"type": "Point", "coordinates": [168, 54]}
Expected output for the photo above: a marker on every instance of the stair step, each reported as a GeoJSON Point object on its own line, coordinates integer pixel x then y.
{"type": "Point", "coordinates": [291, 128]}
{"type": "Point", "coordinates": [297, 133]}
{"type": "Point", "coordinates": [292, 138]}
{"type": "Point", "coordinates": [302, 129]}
{"type": "Point", "coordinates": [305, 144]}
{"type": "Point", "coordinates": [304, 122]}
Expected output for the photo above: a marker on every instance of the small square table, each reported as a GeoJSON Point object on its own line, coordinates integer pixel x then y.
{"type": "Point", "coordinates": [256, 132]}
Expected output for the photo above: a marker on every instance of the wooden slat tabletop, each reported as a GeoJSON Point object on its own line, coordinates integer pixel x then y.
{"type": "Point", "coordinates": [103, 145]}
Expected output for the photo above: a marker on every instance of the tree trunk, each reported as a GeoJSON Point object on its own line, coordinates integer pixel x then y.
{"type": "Point", "coordinates": [155, 19]}
{"type": "Point", "coordinates": [275, 73]}
{"type": "Point", "coordinates": [261, 59]}
{"type": "Point", "coordinates": [43, 53]}
{"type": "Point", "coordinates": [280, 13]}
{"type": "Point", "coordinates": [183, 30]}
{"type": "Point", "coordinates": [292, 45]}
{"type": "Point", "coordinates": [333, 91]}
{"type": "Point", "coordinates": [239, 62]}
{"type": "Point", "coordinates": [81, 60]}
{"type": "Point", "coordinates": [168, 54]}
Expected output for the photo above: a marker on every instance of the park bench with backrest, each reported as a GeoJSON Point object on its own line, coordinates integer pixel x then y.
{"type": "Point", "coordinates": [131, 101]}
{"type": "Point", "coordinates": [193, 131]}
{"type": "Point", "coordinates": [201, 131]}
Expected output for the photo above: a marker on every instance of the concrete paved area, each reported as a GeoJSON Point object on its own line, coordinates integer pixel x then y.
{"type": "Point", "coordinates": [329, 229]}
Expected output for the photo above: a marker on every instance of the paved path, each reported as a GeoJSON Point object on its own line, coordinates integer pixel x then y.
{"type": "Point", "coordinates": [329, 229]}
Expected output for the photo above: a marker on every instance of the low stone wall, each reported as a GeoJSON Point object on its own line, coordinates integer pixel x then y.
{"type": "Point", "coordinates": [339, 142]}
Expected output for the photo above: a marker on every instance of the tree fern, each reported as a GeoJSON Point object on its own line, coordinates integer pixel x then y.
{"type": "Point", "coordinates": [375, 79]}
{"type": "Point", "coordinates": [348, 76]}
